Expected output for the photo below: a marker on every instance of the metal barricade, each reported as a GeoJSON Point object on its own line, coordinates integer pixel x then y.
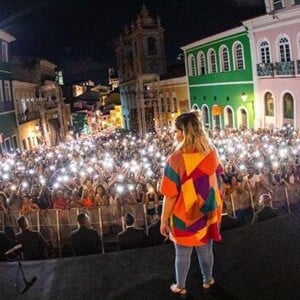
{"type": "Point", "coordinates": [280, 198]}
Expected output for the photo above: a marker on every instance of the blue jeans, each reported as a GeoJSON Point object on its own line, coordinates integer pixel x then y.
{"type": "Point", "coordinates": [183, 261]}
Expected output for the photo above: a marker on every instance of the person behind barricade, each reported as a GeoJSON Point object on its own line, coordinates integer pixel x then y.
{"type": "Point", "coordinates": [251, 183]}
{"type": "Point", "coordinates": [85, 240]}
{"type": "Point", "coordinates": [289, 176]}
{"type": "Point", "coordinates": [140, 194]}
{"type": "Point", "coordinates": [240, 201]}
{"type": "Point", "coordinates": [266, 211]}
{"type": "Point", "coordinates": [74, 200]}
{"type": "Point", "coordinates": [266, 180]}
{"type": "Point", "coordinates": [228, 172]}
{"type": "Point", "coordinates": [132, 237]}
{"type": "Point", "coordinates": [34, 245]}
{"type": "Point", "coordinates": [192, 206]}
{"type": "Point", "coordinates": [87, 198]}
{"type": "Point", "coordinates": [151, 199]}
{"type": "Point", "coordinates": [27, 205]}
{"type": "Point", "coordinates": [3, 203]}
{"type": "Point", "coordinates": [38, 195]}
{"type": "Point", "coordinates": [101, 196]}
{"type": "Point", "coordinates": [58, 200]}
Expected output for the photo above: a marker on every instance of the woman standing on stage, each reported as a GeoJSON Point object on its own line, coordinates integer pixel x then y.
{"type": "Point", "coordinates": [192, 205]}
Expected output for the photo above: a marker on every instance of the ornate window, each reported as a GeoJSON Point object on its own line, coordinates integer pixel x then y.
{"type": "Point", "coordinates": [288, 106]}
{"type": "Point", "coordinates": [152, 48]}
{"type": "Point", "coordinates": [201, 63]}
{"type": "Point", "coordinates": [284, 49]}
{"type": "Point", "coordinates": [205, 115]}
{"type": "Point", "coordinates": [192, 65]}
{"type": "Point", "coordinates": [212, 61]}
{"type": "Point", "coordinates": [269, 105]}
{"type": "Point", "coordinates": [238, 51]}
{"type": "Point", "coordinates": [264, 50]}
{"type": "Point", "coordinates": [4, 53]}
{"type": "Point", "coordinates": [277, 4]}
{"type": "Point", "coordinates": [7, 93]}
{"type": "Point", "coordinates": [224, 58]}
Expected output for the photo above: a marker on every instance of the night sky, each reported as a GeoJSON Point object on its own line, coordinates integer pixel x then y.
{"type": "Point", "coordinates": [78, 36]}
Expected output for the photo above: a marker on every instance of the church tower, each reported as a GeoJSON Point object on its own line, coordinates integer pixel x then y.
{"type": "Point", "coordinates": [141, 60]}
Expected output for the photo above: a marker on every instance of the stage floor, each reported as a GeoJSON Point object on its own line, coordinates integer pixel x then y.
{"type": "Point", "coordinates": [251, 263]}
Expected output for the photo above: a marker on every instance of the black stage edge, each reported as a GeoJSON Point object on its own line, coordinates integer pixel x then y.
{"type": "Point", "coordinates": [253, 262]}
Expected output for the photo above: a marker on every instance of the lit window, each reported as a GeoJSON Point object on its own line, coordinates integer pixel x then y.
{"type": "Point", "coordinates": [192, 65]}
{"type": "Point", "coordinates": [224, 59]}
{"type": "Point", "coordinates": [288, 106]}
{"type": "Point", "coordinates": [212, 65]}
{"type": "Point", "coordinates": [265, 52]}
{"type": "Point", "coordinates": [239, 57]}
{"type": "Point", "coordinates": [269, 105]}
{"type": "Point", "coordinates": [284, 50]}
{"type": "Point", "coordinates": [201, 63]}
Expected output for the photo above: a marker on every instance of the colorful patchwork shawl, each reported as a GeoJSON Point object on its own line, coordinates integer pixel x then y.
{"type": "Point", "coordinates": [193, 179]}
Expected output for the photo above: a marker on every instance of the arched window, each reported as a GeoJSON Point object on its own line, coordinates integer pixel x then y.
{"type": "Point", "coordinates": [205, 116]}
{"type": "Point", "coordinates": [288, 106]}
{"type": "Point", "coordinates": [264, 50]}
{"type": "Point", "coordinates": [224, 58]}
{"type": "Point", "coordinates": [201, 63]}
{"type": "Point", "coordinates": [269, 105]}
{"type": "Point", "coordinates": [238, 51]}
{"type": "Point", "coordinates": [284, 49]}
{"type": "Point", "coordinates": [212, 61]}
{"type": "Point", "coordinates": [152, 48]}
{"type": "Point", "coordinates": [192, 65]}
{"type": "Point", "coordinates": [243, 118]}
{"type": "Point", "coordinates": [228, 117]}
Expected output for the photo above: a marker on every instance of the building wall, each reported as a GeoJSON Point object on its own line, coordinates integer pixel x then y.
{"type": "Point", "coordinates": [283, 23]}
{"type": "Point", "coordinates": [8, 126]}
{"type": "Point", "coordinates": [173, 101]}
{"type": "Point", "coordinates": [223, 89]}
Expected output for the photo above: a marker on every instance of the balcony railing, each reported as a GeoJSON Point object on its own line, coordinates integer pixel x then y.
{"type": "Point", "coordinates": [6, 106]}
{"type": "Point", "coordinates": [298, 66]}
{"type": "Point", "coordinates": [277, 69]}
{"type": "Point", "coordinates": [285, 68]}
{"type": "Point", "coordinates": [265, 69]}
{"type": "Point", "coordinates": [30, 116]}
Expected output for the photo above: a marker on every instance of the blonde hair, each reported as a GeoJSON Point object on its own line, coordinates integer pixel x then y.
{"type": "Point", "coordinates": [194, 136]}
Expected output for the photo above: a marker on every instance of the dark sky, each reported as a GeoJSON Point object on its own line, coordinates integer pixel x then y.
{"type": "Point", "coordinates": [77, 35]}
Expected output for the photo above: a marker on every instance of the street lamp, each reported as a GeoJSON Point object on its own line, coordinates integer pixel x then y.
{"type": "Point", "coordinates": [244, 96]}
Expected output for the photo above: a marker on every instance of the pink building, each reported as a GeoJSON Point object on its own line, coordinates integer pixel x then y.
{"type": "Point", "coordinates": [275, 47]}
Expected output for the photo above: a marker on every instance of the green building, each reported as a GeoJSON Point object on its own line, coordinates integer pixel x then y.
{"type": "Point", "coordinates": [220, 80]}
{"type": "Point", "coordinates": [8, 125]}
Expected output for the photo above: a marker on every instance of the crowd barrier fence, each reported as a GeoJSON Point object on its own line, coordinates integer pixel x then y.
{"type": "Point", "coordinates": [57, 225]}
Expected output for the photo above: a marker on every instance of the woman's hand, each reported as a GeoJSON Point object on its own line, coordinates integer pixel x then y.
{"type": "Point", "coordinates": [164, 229]}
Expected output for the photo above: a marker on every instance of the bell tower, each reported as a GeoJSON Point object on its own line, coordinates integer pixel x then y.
{"type": "Point", "coordinates": [140, 52]}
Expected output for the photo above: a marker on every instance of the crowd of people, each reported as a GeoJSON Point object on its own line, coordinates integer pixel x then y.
{"type": "Point", "coordinates": [126, 169]}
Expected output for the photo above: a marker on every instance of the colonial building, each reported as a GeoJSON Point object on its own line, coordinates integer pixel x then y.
{"type": "Point", "coordinates": [141, 60]}
{"type": "Point", "coordinates": [8, 126]}
{"type": "Point", "coordinates": [173, 98]}
{"type": "Point", "coordinates": [42, 115]}
{"type": "Point", "coordinates": [275, 41]}
{"type": "Point", "coordinates": [220, 81]}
